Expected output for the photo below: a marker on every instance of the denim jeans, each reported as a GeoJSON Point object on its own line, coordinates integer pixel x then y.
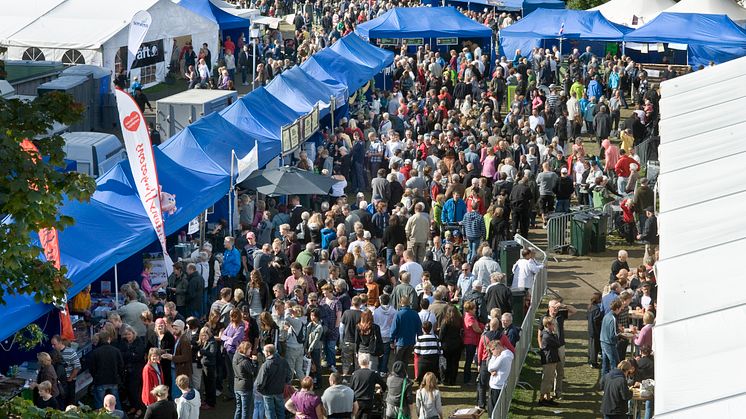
{"type": "Point", "coordinates": [389, 254]}
{"type": "Point", "coordinates": [609, 358]}
{"type": "Point", "coordinates": [99, 392]}
{"type": "Point", "coordinates": [470, 351]}
{"type": "Point", "coordinates": [244, 405]}
{"type": "Point", "coordinates": [330, 351]}
{"type": "Point", "coordinates": [563, 205]}
{"type": "Point", "coordinates": [316, 361]}
{"type": "Point", "coordinates": [274, 406]}
{"type": "Point", "coordinates": [258, 407]}
{"type": "Point", "coordinates": [473, 246]}
{"type": "Point", "coordinates": [383, 363]}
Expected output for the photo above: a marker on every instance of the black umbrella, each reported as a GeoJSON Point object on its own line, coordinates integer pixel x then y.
{"type": "Point", "coordinates": [287, 181]}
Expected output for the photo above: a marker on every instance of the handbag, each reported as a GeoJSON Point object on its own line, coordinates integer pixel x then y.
{"type": "Point", "coordinates": [401, 414]}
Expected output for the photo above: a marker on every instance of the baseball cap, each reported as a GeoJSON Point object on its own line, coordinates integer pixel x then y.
{"type": "Point", "coordinates": [178, 324]}
{"type": "Point", "coordinates": [563, 170]}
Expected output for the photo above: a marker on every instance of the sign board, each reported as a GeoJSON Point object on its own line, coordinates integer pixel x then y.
{"type": "Point", "coordinates": [414, 42]}
{"type": "Point", "coordinates": [193, 225]}
{"type": "Point", "coordinates": [310, 123]}
{"type": "Point", "coordinates": [158, 274]}
{"type": "Point", "coordinates": [149, 53]}
{"type": "Point", "coordinates": [388, 41]}
{"type": "Point", "coordinates": [290, 137]}
{"type": "Point", "coordinates": [447, 41]}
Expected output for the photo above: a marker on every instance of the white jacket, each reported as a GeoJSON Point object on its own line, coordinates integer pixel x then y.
{"type": "Point", "coordinates": [187, 406]}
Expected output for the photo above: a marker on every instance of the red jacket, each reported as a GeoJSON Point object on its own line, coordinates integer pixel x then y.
{"type": "Point", "coordinates": [150, 380]}
{"type": "Point", "coordinates": [622, 166]}
{"type": "Point", "coordinates": [483, 352]}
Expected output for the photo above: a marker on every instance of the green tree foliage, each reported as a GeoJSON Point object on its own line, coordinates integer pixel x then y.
{"type": "Point", "coordinates": [31, 192]}
{"type": "Point", "coordinates": [19, 408]}
{"type": "Point", "coordinates": [584, 4]}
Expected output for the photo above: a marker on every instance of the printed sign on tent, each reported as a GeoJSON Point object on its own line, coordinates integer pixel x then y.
{"type": "Point", "coordinates": [149, 53]}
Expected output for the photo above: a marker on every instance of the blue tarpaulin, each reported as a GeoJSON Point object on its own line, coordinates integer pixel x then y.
{"type": "Point", "coordinates": [708, 37]}
{"type": "Point", "coordinates": [531, 5]}
{"type": "Point", "coordinates": [328, 66]}
{"type": "Point", "coordinates": [193, 165]}
{"type": "Point", "coordinates": [545, 24]}
{"type": "Point", "coordinates": [422, 22]}
{"type": "Point", "coordinates": [212, 12]}
{"type": "Point", "coordinates": [260, 113]}
{"type": "Point", "coordinates": [523, 6]}
{"type": "Point", "coordinates": [287, 88]}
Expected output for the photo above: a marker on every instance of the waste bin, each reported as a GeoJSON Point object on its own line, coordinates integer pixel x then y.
{"type": "Point", "coordinates": [519, 312]}
{"type": "Point", "coordinates": [509, 251]}
{"type": "Point", "coordinates": [580, 236]}
{"type": "Point", "coordinates": [598, 232]}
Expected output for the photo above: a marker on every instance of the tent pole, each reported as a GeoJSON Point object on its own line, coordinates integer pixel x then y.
{"type": "Point", "coordinates": [253, 63]}
{"type": "Point", "coordinates": [331, 109]}
{"type": "Point", "coordinates": [116, 286]}
{"type": "Point", "coordinates": [624, 45]}
{"type": "Point", "coordinates": [230, 197]}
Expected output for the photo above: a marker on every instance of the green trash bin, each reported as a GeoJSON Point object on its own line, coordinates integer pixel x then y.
{"type": "Point", "coordinates": [518, 307]}
{"type": "Point", "coordinates": [598, 232]}
{"type": "Point", "coordinates": [509, 251]}
{"type": "Point", "coordinates": [580, 235]}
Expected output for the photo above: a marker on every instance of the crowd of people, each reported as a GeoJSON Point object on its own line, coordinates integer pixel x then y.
{"type": "Point", "coordinates": [397, 266]}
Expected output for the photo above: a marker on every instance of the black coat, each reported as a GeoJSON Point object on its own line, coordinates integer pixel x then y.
{"type": "Point", "coordinates": [650, 230]}
{"type": "Point", "coordinates": [162, 409]}
{"type": "Point", "coordinates": [244, 370]}
{"type": "Point", "coordinates": [595, 317]}
{"type": "Point", "coordinates": [616, 393]}
{"type": "Point", "coordinates": [520, 197]}
{"type": "Point", "coordinates": [273, 375]}
{"type": "Point", "coordinates": [500, 296]}
{"type": "Point", "coordinates": [106, 365]}
{"type": "Point", "coordinates": [550, 345]}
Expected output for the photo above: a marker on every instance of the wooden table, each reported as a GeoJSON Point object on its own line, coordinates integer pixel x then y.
{"type": "Point", "coordinates": [638, 402]}
{"type": "Point", "coordinates": [636, 314]}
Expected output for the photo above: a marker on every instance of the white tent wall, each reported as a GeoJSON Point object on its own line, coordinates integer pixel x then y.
{"type": "Point", "coordinates": [712, 7]}
{"type": "Point", "coordinates": [702, 292]}
{"type": "Point", "coordinates": [100, 47]}
{"type": "Point", "coordinates": [623, 12]}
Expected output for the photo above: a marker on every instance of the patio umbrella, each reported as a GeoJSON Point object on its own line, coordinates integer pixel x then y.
{"type": "Point", "coordinates": [287, 181]}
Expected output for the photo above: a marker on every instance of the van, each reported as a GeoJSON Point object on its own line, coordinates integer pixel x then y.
{"type": "Point", "coordinates": [94, 152]}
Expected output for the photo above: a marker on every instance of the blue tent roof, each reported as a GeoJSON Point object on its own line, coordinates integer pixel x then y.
{"type": "Point", "coordinates": [260, 113]}
{"type": "Point", "coordinates": [356, 49]}
{"type": "Point", "coordinates": [285, 88]}
{"type": "Point", "coordinates": [327, 65]}
{"type": "Point", "coordinates": [531, 5]}
{"type": "Point", "coordinates": [422, 22]}
{"type": "Point", "coordinates": [690, 28]}
{"type": "Point", "coordinates": [546, 24]}
{"type": "Point", "coordinates": [207, 9]}
{"type": "Point", "coordinates": [708, 37]}
{"type": "Point", "coordinates": [502, 5]}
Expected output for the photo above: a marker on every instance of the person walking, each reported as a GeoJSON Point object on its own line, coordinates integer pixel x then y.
{"type": "Point", "coordinates": [427, 399]}
{"type": "Point", "coordinates": [273, 375]}
{"type": "Point", "coordinates": [363, 383]}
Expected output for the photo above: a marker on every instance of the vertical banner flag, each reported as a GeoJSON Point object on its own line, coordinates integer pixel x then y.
{"type": "Point", "coordinates": [138, 28]}
{"type": "Point", "coordinates": [50, 244]}
{"type": "Point", "coordinates": [142, 162]}
{"type": "Point", "coordinates": [248, 164]}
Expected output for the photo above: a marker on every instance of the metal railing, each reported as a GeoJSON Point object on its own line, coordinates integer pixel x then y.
{"type": "Point", "coordinates": [502, 407]}
{"type": "Point", "coordinates": [558, 232]}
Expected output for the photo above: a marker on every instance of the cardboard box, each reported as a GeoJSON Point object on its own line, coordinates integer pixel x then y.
{"type": "Point", "coordinates": [467, 413]}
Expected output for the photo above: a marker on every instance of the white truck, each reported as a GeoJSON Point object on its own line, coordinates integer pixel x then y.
{"type": "Point", "coordinates": [94, 152]}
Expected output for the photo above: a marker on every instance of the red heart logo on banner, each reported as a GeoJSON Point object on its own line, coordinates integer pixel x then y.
{"type": "Point", "coordinates": [132, 121]}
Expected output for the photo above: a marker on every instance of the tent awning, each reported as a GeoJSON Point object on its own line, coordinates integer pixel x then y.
{"type": "Point", "coordinates": [422, 22]}
{"type": "Point", "coordinates": [214, 13]}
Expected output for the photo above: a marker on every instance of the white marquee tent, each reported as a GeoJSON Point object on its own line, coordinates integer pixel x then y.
{"type": "Point", "coordinates": [93, 32]}
{"type": "Point", "coordinates": [633, 13]}
{"type": "Point", "coordinates": [712, 7]}
{"type": "Point", "coordinates": [17, 14]}
{"type": "Point", "coordinates": [702, 293]}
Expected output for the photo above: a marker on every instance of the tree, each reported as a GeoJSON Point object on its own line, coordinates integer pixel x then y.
{"type": "Point", "coordinates": [32, 190]}
{"type": "Point", "coordinates": [584, 4]}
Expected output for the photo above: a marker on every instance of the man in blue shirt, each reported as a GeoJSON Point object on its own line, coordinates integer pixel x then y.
{"type": "Point", "coordinates": [609, 329]}
{"type": "Point", "coordinates": [606, 301]}
{"type": "Point", "coordinates": [407, 325]}
{"type": "Point", "coordinates": [454, 209]}
{"type": "Point", "coordinates": [231, 264]}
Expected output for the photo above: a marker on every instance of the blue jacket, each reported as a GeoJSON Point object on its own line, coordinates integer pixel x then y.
{"type": "Point", "coordinates": [407, 325]}
{"type": "Point", "coordinates": [231, 262]}
{"type": "Point", "coordinates": [609, 329]}
{"type": "Point", "coordinates": [595, 90]}
{"type": "Point", "coordinates": [453, 212]}
{"type": "Point", "coordinates": [607, 300]}
{"type": "Point", "coordinates": [474, 225]}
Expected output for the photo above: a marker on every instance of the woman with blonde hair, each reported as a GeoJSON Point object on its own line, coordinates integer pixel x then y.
{"type": "Point", "coordinates": [427, 399]}
{"type": "Point", "coordinates": [152, 376]}
{"type": "Point", "coordinates": [162, 408]}
{"type": "Point", "coordinates": [46, 373]}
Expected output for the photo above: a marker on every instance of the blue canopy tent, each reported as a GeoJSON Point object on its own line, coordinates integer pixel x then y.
{"type": "Point", "coordinates": [301, 92]}
{"type": "Point", "coordinates": [229, 24]}
{"type": "Point", "coordinates": [704, 37]}
{"type": "Point", "coordinates": [530, 5]}
{"type": "Point", "coordinates": [523, 6]}
{"type": "Point", "coordinates": [328, 65]}
{"type": "Point", "coordinates": [542, 29]}
{"type": "Point", "coordinates": [438, 26]}
{"type": "Point", "coordinates": [260, 113]}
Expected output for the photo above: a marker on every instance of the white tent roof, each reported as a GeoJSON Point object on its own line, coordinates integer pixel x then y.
{"type": "Point", "coordinates": [17, 14]}
{"type": "Point", "coordinates": [623, 12]}
{"type": "Point", "coordinates": [78, 24]}
{"type": "Point", "coordinates": [702, 292]}
{"type": "Point", "coordinates": [712, 7]}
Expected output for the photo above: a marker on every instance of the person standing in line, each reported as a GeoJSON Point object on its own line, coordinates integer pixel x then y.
{"type": "Point", "coordinates": [427, 399]}
{"type": "Point", "coordinates": [404, 331]}
{"type": "Point", "coordinates": [609, 339]}
{"type": "Point", "coordinates": [549, 345]}
{"type": "Point", "coordinates": [244, 371]}
{"type": "Point", "coordinates": [499, 368]}
{"type": "Point", "coordinates": [273, 375]}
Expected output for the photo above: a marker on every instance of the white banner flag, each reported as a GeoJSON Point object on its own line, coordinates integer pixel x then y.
{"type": "Point", "coordinates": [142, 162]}
{"type": "Point", "coordinates": [248, 164]}
{"type": "Point", "coordinates": [138, 28]}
